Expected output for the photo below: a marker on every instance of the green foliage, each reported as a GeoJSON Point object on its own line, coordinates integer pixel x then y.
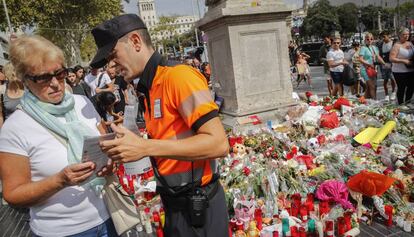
{"type": "Point", "coordinates": [369, 17]}
{"type": "Point", "coordinates": [321, 19]}
{"type": "Point", "coordinates": [164, 33]}
{"type": "Point", "coordinates": [406, 9]}
{"type": "Point", "coordinates": [348, 17]}
{"type": "Point", "coordinates": [67, 23]}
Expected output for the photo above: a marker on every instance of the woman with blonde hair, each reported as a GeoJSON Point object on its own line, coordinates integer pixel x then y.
{"type": "Point", "coordinates": [41, 148]}
{"type": "Point", "coordinates": [11, 96]}
{"type": "Point", "coordinates": [402, 56]}
{"type": "Point", "coordinates": [369, 58]}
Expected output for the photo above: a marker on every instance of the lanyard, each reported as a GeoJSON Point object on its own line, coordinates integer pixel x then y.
{"type": "Point", "coordinates": [373, 54]}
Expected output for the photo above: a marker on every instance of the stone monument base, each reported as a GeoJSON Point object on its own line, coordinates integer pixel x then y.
{"type": "Point", "coordinates": [231, 121]}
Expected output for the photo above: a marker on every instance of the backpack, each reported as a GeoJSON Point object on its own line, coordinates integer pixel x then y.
{"type": "Point", "coordinates": [2, 93]}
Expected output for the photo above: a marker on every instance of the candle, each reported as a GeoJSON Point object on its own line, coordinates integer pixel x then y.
{"type": "Point", "coordinates": [341, 226]}
{"type": "Point", "coordinates": [311, 226]}
{"type": "Point", "coordinates": [285, 226]}
{"type": "Point", "coordinates": [239, 225]}
{"type": "Point", "coordinates": [407, 226]}
{"type": "Point", "coordinates": [162, 216]}
{"type": "Point", "coordinates": [310, 202]}
{"type": "Point", "coordinates": [303, 212]}
{"type": "Point", "coordinates": [388, 211]}
{"type": "Point", "coordinates": [324, 208]}
{"type": "Point", "coordinates": [302, 232]}
{"type": "Point", "coordinates": [329, 228]}
{"type": "Point", "coordinates": [347, 218]}
{"type": "Point", "coordinates": [233, 222]}
{"type": "Point", "coordinates": [294, 231]}
{"type": "Point", "coordinates": [258, 217]}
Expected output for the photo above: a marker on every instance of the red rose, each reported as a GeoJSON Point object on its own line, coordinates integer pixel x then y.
{"type": "Point", "coordinates": [313, 103]}
{"type": "Point", "coordinates": [328, 108]}
{"type": "Point", "coordinates": [321, 139]}
{"type": "Point", "coordinates": [295, 150]}
{"type": "Point", "coordinates": [246, 171]}
{"type": "Point", "coordinates": [340, 138]}
{"type": "Point", "coordinates": [308, 94]}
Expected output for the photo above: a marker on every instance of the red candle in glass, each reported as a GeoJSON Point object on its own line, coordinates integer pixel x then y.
{"type": "Point", "coordinates": [388, 211]}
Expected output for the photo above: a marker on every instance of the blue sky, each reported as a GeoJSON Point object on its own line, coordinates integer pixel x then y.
{"type": "Point", "coordinates": [181, 7]}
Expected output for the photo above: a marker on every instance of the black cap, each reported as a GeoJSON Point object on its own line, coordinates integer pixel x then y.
{"type": "Point", "coordinates": [107, 34]}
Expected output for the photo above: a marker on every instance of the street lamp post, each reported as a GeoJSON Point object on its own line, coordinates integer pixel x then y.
{"type": "Point", "coordinates": [359, 26]}
{"type": "Point", "coordinates": [7, 16]}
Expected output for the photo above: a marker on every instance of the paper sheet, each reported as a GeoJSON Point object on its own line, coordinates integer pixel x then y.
{"type": "Point", "coordinates": [92, 151]}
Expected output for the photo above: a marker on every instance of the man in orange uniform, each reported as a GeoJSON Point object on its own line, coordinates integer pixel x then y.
{"type": "Point", "coordinates": [182, 121]}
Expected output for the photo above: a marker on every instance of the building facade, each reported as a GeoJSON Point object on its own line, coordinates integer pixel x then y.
{"type": "Point", "coordinates": [180, 24]}
{"type": "Point", "coordinates": [146, 9]}
{"type": "Point", "coordinates": [378, 3]}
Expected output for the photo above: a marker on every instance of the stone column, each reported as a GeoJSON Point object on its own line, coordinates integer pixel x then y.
{"type": "Point", "coordinates": [248, 52]}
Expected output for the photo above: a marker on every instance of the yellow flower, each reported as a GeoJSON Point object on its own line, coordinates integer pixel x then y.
{"type": "Point", "coordinates": [317, 171]}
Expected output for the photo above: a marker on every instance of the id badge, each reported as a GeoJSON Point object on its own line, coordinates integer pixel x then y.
{"type": "Point", "coordinates": [157, 108]}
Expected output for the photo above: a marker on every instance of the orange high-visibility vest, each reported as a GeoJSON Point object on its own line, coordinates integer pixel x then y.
{"type": "Point", "coordinates": [179, 104]}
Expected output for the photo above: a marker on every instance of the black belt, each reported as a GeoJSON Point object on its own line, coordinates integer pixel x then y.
{"type": "Point", "coordinates": [181, 202]}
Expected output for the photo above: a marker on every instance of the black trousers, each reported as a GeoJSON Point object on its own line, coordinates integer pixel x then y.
{"type": "Point", "coordinates": [405, 86]}
{"type": "Point", "coordinates": [177, 223]}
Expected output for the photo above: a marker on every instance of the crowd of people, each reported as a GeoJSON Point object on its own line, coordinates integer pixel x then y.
{"type": "Point", "coordinates": [48, 110]}
{"type": "Point", "coordinates": [361, 66]}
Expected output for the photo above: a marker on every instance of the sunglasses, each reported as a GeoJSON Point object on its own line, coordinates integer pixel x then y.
{"type": "Point", "coordinates": [371, 39]}
{"type": "Point", "coordinates": [59, 74]}
{"type": "Point", "coordinates": [337, 42]}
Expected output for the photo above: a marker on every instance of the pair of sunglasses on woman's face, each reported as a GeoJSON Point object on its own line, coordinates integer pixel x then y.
{"type": "Point", "coordinates": [59, 74]}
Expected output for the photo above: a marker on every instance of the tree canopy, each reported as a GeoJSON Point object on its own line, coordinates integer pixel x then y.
{"type": "Point", "coordinates": [345, 16]}
{"type": "Point", "coordinates": [67, 23]}
{"type": "Point", "coordinates": [322, 19]}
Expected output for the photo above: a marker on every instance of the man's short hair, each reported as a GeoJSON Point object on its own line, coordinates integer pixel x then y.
{"type": "Point", "coordinates": [384, 32]}
{"type": "Point", "coordinates": [146, 38]}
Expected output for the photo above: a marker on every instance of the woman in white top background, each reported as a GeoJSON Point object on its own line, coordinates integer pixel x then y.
{"type": "Point", "coordinates": [401, 56]}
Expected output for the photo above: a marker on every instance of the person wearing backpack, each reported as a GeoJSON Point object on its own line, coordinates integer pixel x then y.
{"type": "Point", "coordinates": [369, 58]}
{"type": "Point", "coordinates": [98, 81]}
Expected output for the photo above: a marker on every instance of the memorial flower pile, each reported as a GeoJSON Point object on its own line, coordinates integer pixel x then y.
{"type": "Point", "coordinates": [324, 168]}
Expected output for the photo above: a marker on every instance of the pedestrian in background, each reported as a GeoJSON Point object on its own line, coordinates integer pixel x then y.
{"type": "Point", "coordinates": [369, 58]}
{"type": "Point", "coordinates": [120, 87]}
{"type": "Point", "coordinates": [79, 87]}
{"type": "Point", "coordinates": [70, 79]}
{"type": "Point", "coordinates": [336, 62]}
{"type": "Point", "coordinates": [14, 90]}
{"type": "Point", "coordinates": [323, 51]}
{"type": "Point", "coordinates": [401, 56]}
{"type": "Point", "coordinates": [385, 47]}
